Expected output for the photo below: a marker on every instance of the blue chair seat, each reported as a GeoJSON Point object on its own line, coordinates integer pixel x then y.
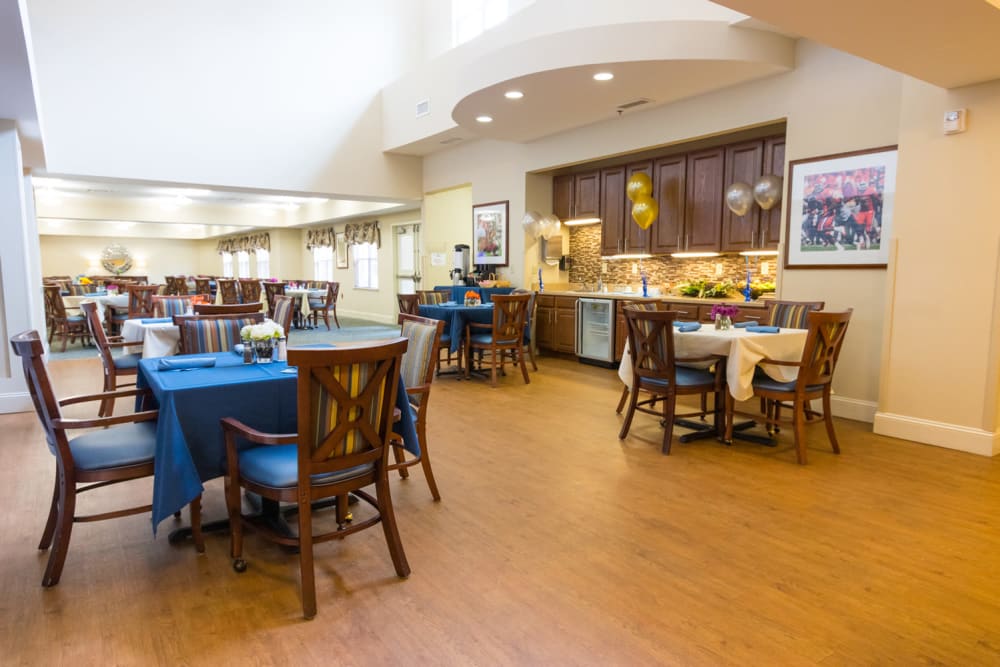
{"type": "Point", "coordinates": [763, 381]}
{"type": "Point", "coordinates": [486, 339]}
{"type": "Point", "coordinates": [119, 317]}
{"type": "Point", "coordinates": [277, 466]}
{"type": "Point", "coordinates": [317, 304]}
{"type": "Point", "coordinates": [127, 361]}
{"type": "Point", "coordinates": [117, 446]}
{"type": "Point", "coordinates": [686, 377]}
{"type": "Point", "coordinates": [76, 319]}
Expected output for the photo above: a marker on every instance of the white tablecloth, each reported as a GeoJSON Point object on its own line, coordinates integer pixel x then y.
{"type": "Point", "coordinates": [303, 295]}
{"type": "Point", "coordinates": [116, 301]}
{"type": "Point", "coordinates": [743, 350]}
{"type": "Point", "coordinates": [159, 339]}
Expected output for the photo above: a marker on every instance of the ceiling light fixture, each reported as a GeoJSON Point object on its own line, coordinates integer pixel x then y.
{"type": "Point", "coordinates": [603, 76]}
{"type": "Point", "coordinates": [513, 94]}
{"type": "Point", "coordinates": [484, 119]}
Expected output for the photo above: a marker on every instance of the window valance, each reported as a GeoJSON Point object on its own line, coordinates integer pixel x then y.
{"type": "Point", "coordinates": [365, 232]}
{"type": "Point", "coordinates": [321, 238]}
{"type": "Point", "coordinates": [245, 243]}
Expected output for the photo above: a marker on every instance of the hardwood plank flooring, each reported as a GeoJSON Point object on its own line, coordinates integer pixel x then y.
{"type": "Point", "coordinates": [554, 543]}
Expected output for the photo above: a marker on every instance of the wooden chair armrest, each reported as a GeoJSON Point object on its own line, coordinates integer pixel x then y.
{"type": "Point", "coordinates": [145, 416]}
{"type": "Point", "coordinates": [478, 325]}
{"type": "Point", "coordinates": [419, 390]}
{"type": "Point", "coordinates": [120, 393]}
{"type": "Point", "coordinates": [233, 427]}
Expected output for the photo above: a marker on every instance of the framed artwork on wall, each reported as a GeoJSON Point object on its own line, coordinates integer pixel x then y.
{"type": "Point", "coordinates": [840, 209]}
{"type": "Point", "coordinates": [489, 233]}
{"type": "Point", "coordinates": [341, 242]}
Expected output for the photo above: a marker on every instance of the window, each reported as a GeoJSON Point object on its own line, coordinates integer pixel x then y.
{"type": "Point", "coordinates": [365, 265]}
{"type": "Point", "coordinates": [227, 264]}
{"type": "Point", "coordinates": [242, 264]}
{"type": "Point", "coordinates": [323, 263]}
{"type": "Point", "coordinates": [263, 263]}
{"type": "Point", "coordinates": [470, 18]}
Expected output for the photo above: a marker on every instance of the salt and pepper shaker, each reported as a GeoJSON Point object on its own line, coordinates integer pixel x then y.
{"type": "Point", "coordinates": [247, 351]}
{"type": "Point", "coordinates": [282, 349]}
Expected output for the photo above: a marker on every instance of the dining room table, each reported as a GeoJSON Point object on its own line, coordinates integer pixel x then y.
{"type": "Point", "coordinates": [119, 301]}
{"type": "Point", "coordinates": [158, 336]}
{"type": "Point", "coordinates": [194, 392]}
{"type": "Point", "coordinates": [456, 316]}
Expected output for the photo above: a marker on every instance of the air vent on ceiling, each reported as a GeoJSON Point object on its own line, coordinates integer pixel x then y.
{"type": "Point", "coordinates": [633, 104]}
{"type": "Point", "coordinates": [451, 140]}
{"type": "Point", "coordinates": [423, 108]}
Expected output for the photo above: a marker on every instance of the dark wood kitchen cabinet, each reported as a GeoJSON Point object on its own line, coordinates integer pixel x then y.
{"type": "Point", "coordinates": [576, 195]}
{"type": "Point", "coordinates": [670, 192]}
{"type": "Point", "coordinates": [555, 323]}
{"type": "Point", "coordinates": [704, 202]}
{"type": "Point", "coordinates": [612, 211]}
{"type": "Point", "coordinates": [770, 221]}
{"type": "Point", "coordinates": [747, 162]}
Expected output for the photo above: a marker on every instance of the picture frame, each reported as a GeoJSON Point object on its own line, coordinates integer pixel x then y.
{"type": "Point", "coordinates": [839, 210]}
{"type": "Point", "coordinates": [490, 232]}
{"type": "Point", "coordinates": [341, 242]}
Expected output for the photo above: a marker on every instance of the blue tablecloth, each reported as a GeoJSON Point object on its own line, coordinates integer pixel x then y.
{"type": "Point", "coordinates": [457, 292]}
{"type": "Point", "coordinates": [190, 447]}
{"type": "Point", "coordinates": [455, 317]}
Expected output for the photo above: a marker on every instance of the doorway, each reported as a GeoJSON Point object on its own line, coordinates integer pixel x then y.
{"type": "Point", "coordinates": [406, 242]}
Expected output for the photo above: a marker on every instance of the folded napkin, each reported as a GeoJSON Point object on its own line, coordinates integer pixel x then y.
{"type": "Point", "coordinates": [748, 323]}
{"type": "Point", "coordinates": [680, 323]}
{"type": "Point", "coordinates": [177, 363]}
{"type": "Point", "coordinates": [238, 349]}
{"type": "Point", "coordinates": [156, 320]}
{"type": "Point", "coordinates": [763, 329]}
{"type": "Point", "coordinates": [689, 326]}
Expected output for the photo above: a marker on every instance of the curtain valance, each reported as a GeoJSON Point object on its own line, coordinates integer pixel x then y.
{"type": "Point", "coordinates": [246, 243]}
{"type": "Point", "coordinates": [365, 232]}
{"type": "Point", "coordinates": [321, 238]}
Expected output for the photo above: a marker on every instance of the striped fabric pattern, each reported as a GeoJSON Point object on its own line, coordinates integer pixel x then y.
{"type": "Point", "coordinates": [430, 297]}
{"type": "Point", "coordinates": [418, 356]}
{"type": "Point", "coordinates": [283, 311]}
{"type": "Point", "coordinates": [790, 316]}
{"type": "Point", "coordinates": [211, 335]}
{"type": "Point", "coordinates": [170, 306]}
{"type": "Point", "coordinates": [354, 379]}
{"type": "Point", "coordinates": [659, 352]}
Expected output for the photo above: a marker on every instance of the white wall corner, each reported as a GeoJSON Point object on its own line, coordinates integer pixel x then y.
{"type": "Point", "coordinates": [939, 434]}
{"type": "Point", "coordinates": [15, 402]}
{"type": "Point", "coordinates": [853, 408]}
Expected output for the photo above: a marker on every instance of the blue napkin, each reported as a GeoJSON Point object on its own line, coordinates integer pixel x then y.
{"type": "Point", "coordinates": [156, 320]}
{"type": "Point", "coordinates": [178, 363]}
{"type": "Point", "coordinates": [689, 326]}
{"type": "Point", "coordinates": [680, 323]}
{"type": "Point", "coordinates": [763, 329]}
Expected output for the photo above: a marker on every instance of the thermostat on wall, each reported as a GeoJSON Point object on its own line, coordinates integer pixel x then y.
{"type": "Point", "coordinates": [954, 121]}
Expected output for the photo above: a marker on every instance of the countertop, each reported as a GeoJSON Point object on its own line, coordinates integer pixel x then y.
{"type": "Point", "coordinates": [636, 296]}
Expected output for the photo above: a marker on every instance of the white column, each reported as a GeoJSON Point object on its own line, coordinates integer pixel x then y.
{"type": "Point", "coordinates": [22, 306]}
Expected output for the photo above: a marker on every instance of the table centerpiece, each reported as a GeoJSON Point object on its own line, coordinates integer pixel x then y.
{"type": "Point", "coordinates": [262, 338]}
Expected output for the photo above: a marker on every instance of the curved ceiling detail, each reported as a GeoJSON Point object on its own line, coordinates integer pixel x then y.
{"type": "Point", "coordinates": [660, 62]}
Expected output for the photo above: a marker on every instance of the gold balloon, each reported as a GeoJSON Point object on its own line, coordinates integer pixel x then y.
{"type": "Point", "coordinates": [644, 211]}
{"type": "Point", "coordinates": [638, 185]}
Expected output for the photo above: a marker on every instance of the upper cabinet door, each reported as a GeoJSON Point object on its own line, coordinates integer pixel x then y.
{"type": "Point", "coordinates": [743, 165]}
{"type": "Point", "coordinates": [587, 195]}
{"type": "Point", "coordinates": [612, 210]}
{"type": "Point", "coordinates": [770, 221]}
{"type": "Point", "coordinates": [670, 192]}
{"type": "Point", "coordinates": [562, 196]}
{"type": "Point", "coordinates": [703, 208]}
{"type": "Point", "coordinates": [636, 238]}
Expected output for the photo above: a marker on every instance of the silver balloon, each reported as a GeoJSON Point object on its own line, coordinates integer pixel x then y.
{"type": "Point", "coordinates": [739, 198]}
{"type": "Point", "coordinates": [767, 191]}
{"type": "Point", "coordinates": [550, 226]}
{"type": "Point", "coordinates": [532, 223]}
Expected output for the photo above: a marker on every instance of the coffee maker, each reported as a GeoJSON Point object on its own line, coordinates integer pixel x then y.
{"type": "Point", "coordinates": [461, 265]}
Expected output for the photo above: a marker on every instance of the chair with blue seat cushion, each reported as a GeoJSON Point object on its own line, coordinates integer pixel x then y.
{"type": "Point", "coordinates": [168, 306]}
{"type": "Point", "coordinates": [68, 327]}
{"type": "Point", "coordinates": [791, 314]}
{"type": "Point", "coordinates": [140, 300]}
{"type": "Point", "coordinates": [115, 367]}
{"type": "Point", "coordinates": [814, 380]}
{"type": "Point", "coordinates": [423, 335]}
{"type": "Point", "coordinates": [326, 305]}
{"type": "Point", "coordinates": [529, 324]}
{"type": "Point", "coordinates": [120, 451]}
{"type": "Point", "coordinates": [345, 415]}
{"type": "Point", "coordinates": [640, 305]}
{"type": "Point", "coordinates": [656, 371]}
{"type": "Point", "coordinates": [284, 309]}
{"type": "Point", "coordinates": [504, 336]}
{"type": "Point", "coordinates": [212, 333]}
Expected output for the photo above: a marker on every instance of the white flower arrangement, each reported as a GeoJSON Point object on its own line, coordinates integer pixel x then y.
{"type": "Point", "coordinates": [263, 331]}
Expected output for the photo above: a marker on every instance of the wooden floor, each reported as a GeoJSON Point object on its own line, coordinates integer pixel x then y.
{"type": "Point", "coordinates": [554, 543]}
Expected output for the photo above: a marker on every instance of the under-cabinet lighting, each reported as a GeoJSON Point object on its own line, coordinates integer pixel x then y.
{"type": "Point", "coordinates": [758, 253]}
{"type": "Point", "coordinates": [683, 255]}
{"type": "Point", "coordinates": [629, 256]}
{"type": "Point", "coordinates": [581, 221]}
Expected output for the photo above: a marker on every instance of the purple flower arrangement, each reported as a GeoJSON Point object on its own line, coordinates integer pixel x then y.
{"type": "Point", "coordinates": [724, 310]}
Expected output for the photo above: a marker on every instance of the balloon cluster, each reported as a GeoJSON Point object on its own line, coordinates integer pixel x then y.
{"type": "Point", "coordinates": [644, 208]}
{"type": "Point", "coordinates": [766, 192]}
{"type": "Point", "coordinates": [538, 225]}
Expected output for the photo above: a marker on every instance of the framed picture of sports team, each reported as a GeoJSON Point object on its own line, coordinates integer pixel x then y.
{"type": "Point", "coordinates": [839, 211]}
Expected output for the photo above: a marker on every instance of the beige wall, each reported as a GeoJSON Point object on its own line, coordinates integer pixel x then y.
{"type": "Point", "coordinates": [71, 255]}
{"type": "Point", "coordinates": [448, 216]}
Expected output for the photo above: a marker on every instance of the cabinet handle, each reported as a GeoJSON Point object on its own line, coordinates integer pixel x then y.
{"type": "Point", "coordinates": [687, 241]}
{"type": "Point", "coordinates": [679, 247]}
{"type": "Point", "coordinates": [753, 235]}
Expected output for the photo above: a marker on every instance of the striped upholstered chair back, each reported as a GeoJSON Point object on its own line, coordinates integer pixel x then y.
{"type": "Point", "coordinates": [424, 336]}
{"type": "Point", "coordinates": [792, 314]}
{"type": "Point", "coordinates": [213, 334]}
{"type": "Point", "coordinates": [168, 306]}
{"type": "Point", "coordinates": [284, 309]}
{"type": "Point", "coordinates": [430, 297]}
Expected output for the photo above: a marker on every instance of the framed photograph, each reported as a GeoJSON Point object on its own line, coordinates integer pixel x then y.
{"type": "Point", "coordinates": [489, 233]}
{"type": "Point", "coordinates": [342, 250]}
{"type": "Point", "coordinates": [839, 213]}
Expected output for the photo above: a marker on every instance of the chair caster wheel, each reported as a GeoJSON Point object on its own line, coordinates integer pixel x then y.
{"type": "Point", "coordinates": [239, 565]}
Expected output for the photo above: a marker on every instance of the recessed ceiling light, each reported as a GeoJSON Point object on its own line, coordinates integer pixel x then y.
{"type": "Point", "coordinates": [603, 76]}
{"type": "Point", "coordinates": [513, 94]}
{"type": "Point", "coordinates": [484, 119]}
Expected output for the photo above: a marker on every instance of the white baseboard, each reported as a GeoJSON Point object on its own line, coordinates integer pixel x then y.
{"type": "Point", "coordinates": [853, 408]}
{"type": "Point", "coordinates": [16, 402]}
{"type": "Point", "coordinates": [949, 436]}
{"type": "Point", "coordinates": [366, 315]}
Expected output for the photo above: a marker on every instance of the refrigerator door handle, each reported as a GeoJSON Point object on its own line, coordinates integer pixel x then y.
{"type": "Point", "coordinates": [578, 345]}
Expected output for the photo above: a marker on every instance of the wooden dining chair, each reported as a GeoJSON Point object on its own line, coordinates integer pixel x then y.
{"type": "Point", "coordinates": [249, 289]}
{"type": "Point", "coordinates": [115, 366]}
{"type": "Point", "coordinates": [218, 333]}
{"type": "Point", "coordinates": [345, 415]}
{"type": "Point", "coordinates": [204, 286]}
{"type": "Point", "coordinates": [529, 324]}
{"type": "Point", "coordinates": [424, 340]}
{"type": "Point", "coordinates": [430, 297]}
{"type": "Point", "coordinates": [140, 300]}
{"type": "Point", "coordinates": [272, 290]}
{"type": "Point", "coordinates": [657, 373]}
{"type": "Point", "coordinates": [791, 314]}
{"type": "Point", "coordinates": [229, 289]}
{"type": "Point", "coordinates": [67, 327]}
{"type": "Point", "coordinates": [225, 309]}
{"type": "Point", "coordinates": [168, 306]}
{"type": "Point", "coordinates": [814, 381]}
{"type": "Point", "coordinates": [284, 310]}
{"type": "Point", "coordinates": [409, 304]}
{"type": "Point", "coordinates": [121, 449]}
{"type": "Point", "coordinates": [504, 336]}
{"type": "Point", "coordinates": [638, 305]}
{"type": "Point", "coordinates": [326, 305]}
{"type": "Point", "coordinates": [176, 286]}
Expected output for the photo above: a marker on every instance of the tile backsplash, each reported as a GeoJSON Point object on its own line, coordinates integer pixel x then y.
{"type": "Point", "coordinates": [585, 249]}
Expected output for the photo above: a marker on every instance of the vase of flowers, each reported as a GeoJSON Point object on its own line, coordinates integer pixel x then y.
{"type": "Point", "coordinates": [472, 298]}
{"type": "Point", "coordinates": [263, 338]}
{"type": "Point", "coordinates": [723, 315]}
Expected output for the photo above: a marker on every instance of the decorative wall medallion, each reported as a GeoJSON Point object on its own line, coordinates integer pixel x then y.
{"type": "Point", "coordinates": [116, 259]}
